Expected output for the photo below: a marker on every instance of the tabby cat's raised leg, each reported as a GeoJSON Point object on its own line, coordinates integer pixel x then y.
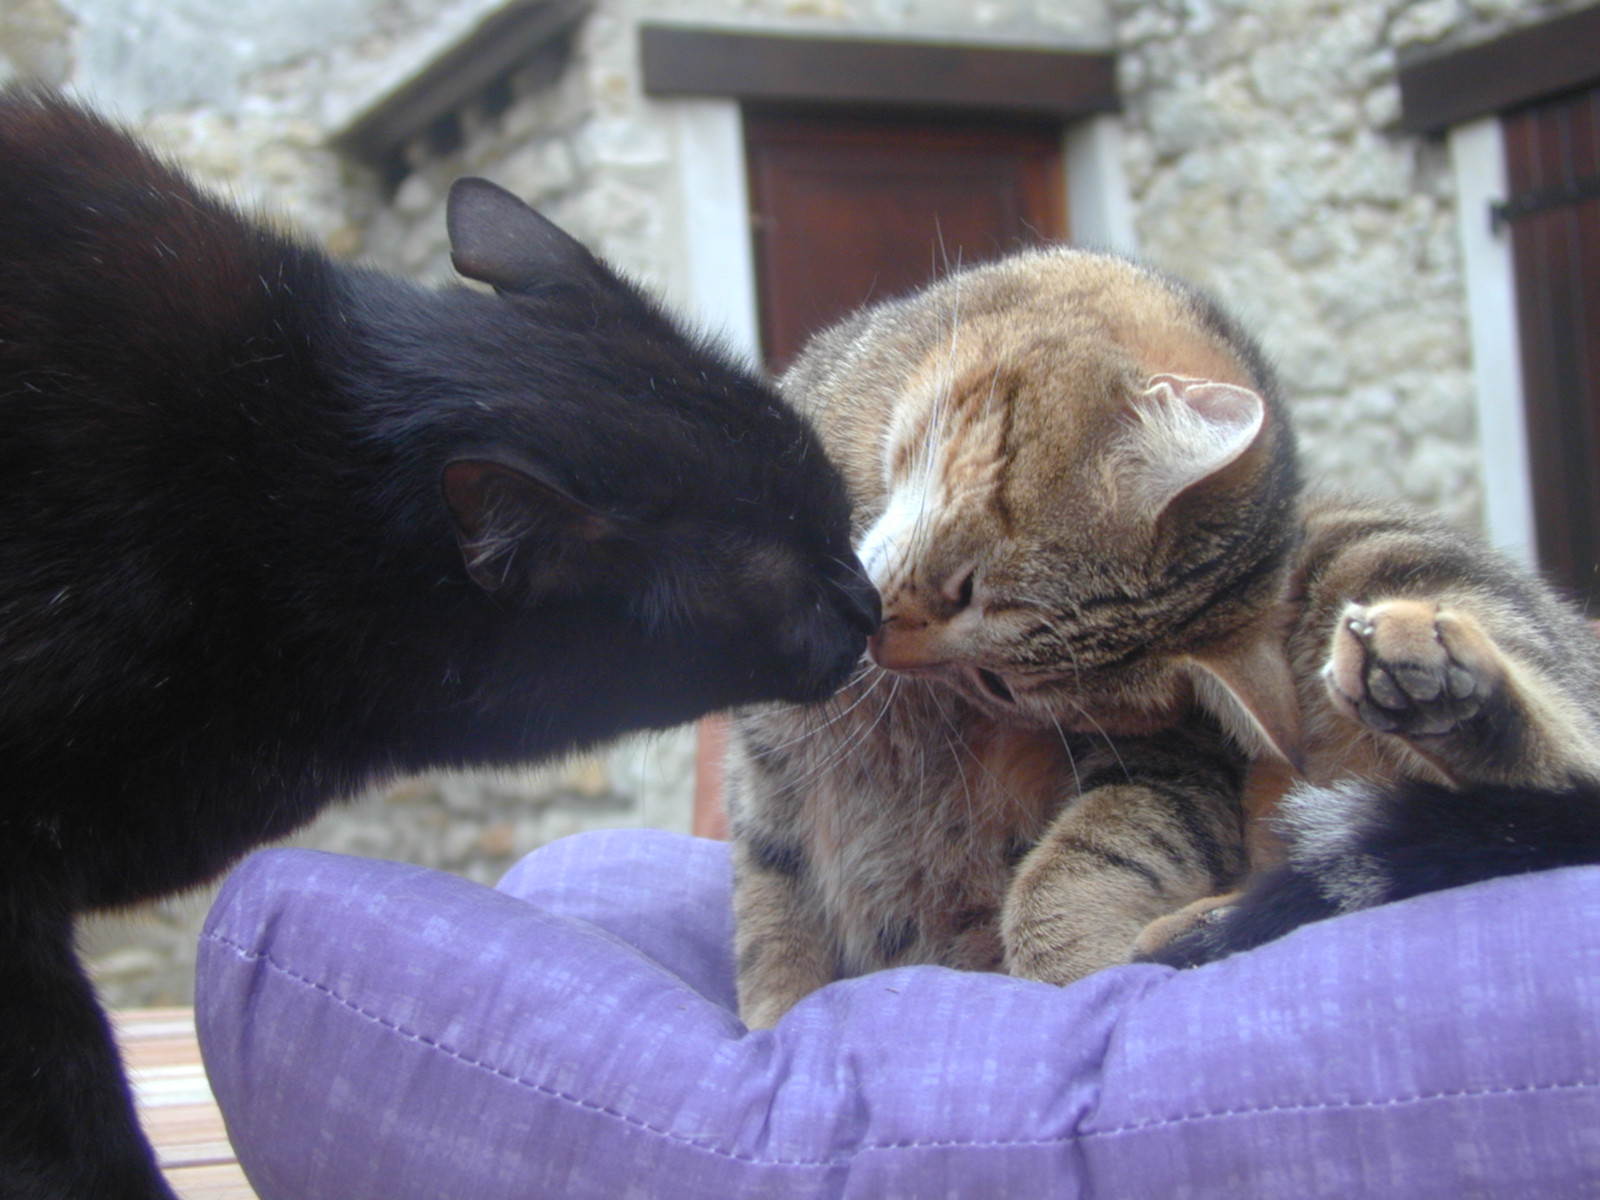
{"type": "Point", "coordinates": [1440, 657]}
{"type": "Point", "coordinates": [1429, 671]}
{"type": "Point", "coordinates": [1131, 848]}
{"type": "Point", "coordinates": [1462, 725]}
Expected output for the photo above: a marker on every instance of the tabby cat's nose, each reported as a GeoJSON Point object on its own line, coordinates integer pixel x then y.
{"type": "Point", "coordinates": [899, 645]}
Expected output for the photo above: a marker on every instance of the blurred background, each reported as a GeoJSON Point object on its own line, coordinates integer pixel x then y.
{"type": "Point", "coordinates": [1398, 196]}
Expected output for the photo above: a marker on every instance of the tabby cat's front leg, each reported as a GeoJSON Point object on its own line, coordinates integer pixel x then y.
{"type": "Point", "coordinates": [1159, 830]}
{"type": "Point", "coordinates": [781, 942]}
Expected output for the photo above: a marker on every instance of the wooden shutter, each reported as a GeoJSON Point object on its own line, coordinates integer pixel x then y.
{"type": "Point", "coordinates": [1553, 212]}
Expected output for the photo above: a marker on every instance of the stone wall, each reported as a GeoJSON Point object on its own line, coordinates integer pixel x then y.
{"type": "Point", "coordinates": [476, 826]}
{"type": "Point", "coordinates": [1265, 162]}
{"type": "Point", "coordinates": [1262, 154]}
{"type": "Point", "coordinates": [590, 150]}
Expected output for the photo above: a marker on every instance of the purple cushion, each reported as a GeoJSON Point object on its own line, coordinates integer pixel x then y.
{"type": "Point", "coordinates": [386, 1032]}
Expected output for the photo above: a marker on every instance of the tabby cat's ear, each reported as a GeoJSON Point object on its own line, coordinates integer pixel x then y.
{"type": "Point", "coordinates": [497, 239]}
{"type": "Point", "coordinates": [519, 530]}
{"type": "Point", "coordinates": [1184, 431]}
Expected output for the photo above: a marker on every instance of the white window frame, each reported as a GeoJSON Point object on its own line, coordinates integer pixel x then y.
{"type": "Point", "coordinates": [1477, 159]}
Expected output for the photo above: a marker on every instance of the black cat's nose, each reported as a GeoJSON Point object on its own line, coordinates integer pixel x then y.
{"type": "Point", "coordinates": [863, 606]}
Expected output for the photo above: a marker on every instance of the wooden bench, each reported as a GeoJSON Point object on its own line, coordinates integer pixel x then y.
{"type": "Point", "coordinates": [175, 1103]}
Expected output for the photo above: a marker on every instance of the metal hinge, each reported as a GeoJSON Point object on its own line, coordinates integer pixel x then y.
{"type": "Point", "coordinates": [1538, 200]}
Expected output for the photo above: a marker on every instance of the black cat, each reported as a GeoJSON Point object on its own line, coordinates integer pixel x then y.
{"type": "Point", "coordinates": [271, 526]}
{"type": "Point", "coordinates": [1360, 844]}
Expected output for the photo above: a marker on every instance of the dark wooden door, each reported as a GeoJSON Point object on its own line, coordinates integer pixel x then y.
{"type": "Point", "coordinates": [851, 209]}
{"type": "Point", "coordinates": [1553, 173]}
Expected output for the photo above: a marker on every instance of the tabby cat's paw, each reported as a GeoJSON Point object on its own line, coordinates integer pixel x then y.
{"type": "Point", "coordinates": [1410, 668]}
{"type": "Point", "coordinates": [1174, 927]}
{"type": "Point", "coordinates": [764, 1015]}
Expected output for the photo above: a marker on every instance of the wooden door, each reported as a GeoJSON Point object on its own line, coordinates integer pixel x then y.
{"type": "Point", "coordinates": [849, 209]}
{"type": "Point", "coordinates": [1553, 212]}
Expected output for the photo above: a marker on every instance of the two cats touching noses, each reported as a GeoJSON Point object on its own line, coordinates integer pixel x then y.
{"type": "Point", "coordinates": [1012, 584]}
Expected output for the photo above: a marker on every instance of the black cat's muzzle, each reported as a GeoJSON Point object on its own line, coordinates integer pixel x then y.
{"type": "Point", "coordinates": [828, 643]}
{"type": "Point", "coordinates": [861, 604]}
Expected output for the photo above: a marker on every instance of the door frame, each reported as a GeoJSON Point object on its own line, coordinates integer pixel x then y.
{"type": "Point", "coordinates": [702, 108]}
{"type": "Point", "coordinates": [1478, 162]}
{"type": "Point", "coordinates": [716, 279]}
{"type": "Point", "coordinates": [719, 263]}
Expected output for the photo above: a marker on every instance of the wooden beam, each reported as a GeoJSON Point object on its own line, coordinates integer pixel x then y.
{"type": "Point", "coordinates": [766, 68]}
{"type": "Point", "coordinates": [1438, 91]}
{"type": "Point", "coordinates": [502, 42]}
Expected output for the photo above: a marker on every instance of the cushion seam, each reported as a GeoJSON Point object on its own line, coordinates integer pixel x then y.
{"type": "Point", "coordinates": [1343, 1105]}
{"type": "Point", "coordinates": [842, 1160]}
{"type": "Point", "coordinates": [1131, 1127]}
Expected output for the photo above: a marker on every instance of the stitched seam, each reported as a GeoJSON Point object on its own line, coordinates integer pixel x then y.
{"type": "Point", "coordinates": [1133, 1127]}
{"type": "Point", "coordinates": [250, 955]}
{"type": "Point", "coordinates": [1343, 1105]}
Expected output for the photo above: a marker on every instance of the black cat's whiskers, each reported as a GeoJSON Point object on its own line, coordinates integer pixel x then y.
{"type": "Point", "coordinates": [956, 744]}
{"type": "Point", "coordinates": [843, 565]}
{"type": "Point", "coordinates": [833, 713]}
{"type": "Point", "coordinates": [959, 746]}
{"type": "Point", "coordinates": [818, 720]}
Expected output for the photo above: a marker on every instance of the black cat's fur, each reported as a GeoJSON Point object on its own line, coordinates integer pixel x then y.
{"type": "Point", "coordinates": [1362, 844]}
{"type": "Point", "coordinates": [271, 526]}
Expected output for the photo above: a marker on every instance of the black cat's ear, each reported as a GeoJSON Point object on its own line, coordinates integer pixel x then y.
{"type": "Point", "coordinates": [497, 239]}
{"type": "Point", "coordinates": [518, 529]}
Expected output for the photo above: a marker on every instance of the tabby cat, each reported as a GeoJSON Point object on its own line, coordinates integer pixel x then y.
{"type": "Point", "coordinates": [272, 526]}
{"type": "Point", "coordinates": [1106, 608]}
{"type": "Point", "coordinates": [1456, 710]}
